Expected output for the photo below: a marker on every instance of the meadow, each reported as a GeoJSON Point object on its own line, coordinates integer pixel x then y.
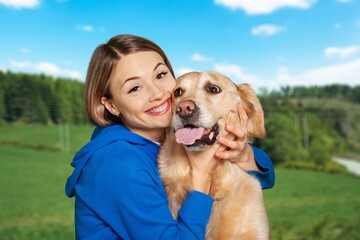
{"type": "Point", "coordinates": [302, 205]}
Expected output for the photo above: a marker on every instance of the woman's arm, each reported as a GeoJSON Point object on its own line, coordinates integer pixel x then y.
{"type": "Point", "coordinates": [266, 173]}
{"type": "Point", "coordinates": [131, 199]}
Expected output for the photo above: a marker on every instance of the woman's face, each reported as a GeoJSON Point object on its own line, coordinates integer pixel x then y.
{"type": "Point", "coordinates": [141, 87]}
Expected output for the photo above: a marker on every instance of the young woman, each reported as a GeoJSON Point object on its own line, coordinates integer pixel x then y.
{"type": "Point", "coordinates": [116, 184]}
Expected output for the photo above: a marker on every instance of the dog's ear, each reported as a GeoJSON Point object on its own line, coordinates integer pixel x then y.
{"type": "Point", "coordinates": [252, 105]}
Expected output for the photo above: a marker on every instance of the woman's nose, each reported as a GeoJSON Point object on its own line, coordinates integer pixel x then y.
{"type": "Point", "coordinates": [156, 92]}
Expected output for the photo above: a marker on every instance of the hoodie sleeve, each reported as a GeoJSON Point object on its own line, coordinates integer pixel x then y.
{"type": "Point", "coordinates": [266, 175]}
{"type": "Point", "coordinates": [130, 199]}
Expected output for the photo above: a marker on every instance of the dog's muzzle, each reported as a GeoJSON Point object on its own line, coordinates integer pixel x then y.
{"type": "Point", "coordinates": [191, 133]}
{"type": "Point", "coordinates": [193, 136]}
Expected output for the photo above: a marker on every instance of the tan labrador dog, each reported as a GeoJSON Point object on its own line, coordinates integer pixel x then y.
{"type": "Point", "coordinates": [201, 105]}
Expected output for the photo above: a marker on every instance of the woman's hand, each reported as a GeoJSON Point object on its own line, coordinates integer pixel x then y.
{"type": "Point", "coordinates": [234, 147]}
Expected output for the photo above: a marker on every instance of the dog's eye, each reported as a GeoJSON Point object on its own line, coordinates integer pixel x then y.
{"type": "Point", "coordinates": [178, 92]}
{"type": "Point", "coordinates": [213, 89]}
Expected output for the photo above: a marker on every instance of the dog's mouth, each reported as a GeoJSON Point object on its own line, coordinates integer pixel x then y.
{"type": "Point", "coordinates": [192, 136]}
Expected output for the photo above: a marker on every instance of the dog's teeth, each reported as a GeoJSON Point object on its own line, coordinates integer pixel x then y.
{"type": "Point", "coordinates": [211, 135]}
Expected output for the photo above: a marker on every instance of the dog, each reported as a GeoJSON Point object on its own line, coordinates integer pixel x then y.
{"type": "Point", "coordinates": [201, 103]}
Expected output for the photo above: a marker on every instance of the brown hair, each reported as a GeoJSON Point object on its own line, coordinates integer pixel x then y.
{"type": "Point", "coordinates": [102, 64]}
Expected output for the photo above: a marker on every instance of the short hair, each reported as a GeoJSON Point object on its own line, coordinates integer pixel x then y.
{"type": "Point", "coordinates": [102, 65]}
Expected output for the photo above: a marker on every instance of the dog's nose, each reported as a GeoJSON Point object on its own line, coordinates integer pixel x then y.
{"type": "Point", "coordinates": [185, 108]}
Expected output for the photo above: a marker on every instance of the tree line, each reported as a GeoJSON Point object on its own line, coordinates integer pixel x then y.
{"type": "Point", "coordinates": [333, 91]}
{"type": "Point", "coordinates": [306, 125]}
{"type": "Point", "coordinates": [37, 98]}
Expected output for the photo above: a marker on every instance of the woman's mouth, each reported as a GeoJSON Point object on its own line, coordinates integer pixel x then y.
{"type": "Point", "coordinates": [160, 109]}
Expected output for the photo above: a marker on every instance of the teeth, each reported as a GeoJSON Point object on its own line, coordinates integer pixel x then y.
{"type": "Point", "coordinates": [211, 135]}
{"type": "Point", "coordinates": [158, 109]}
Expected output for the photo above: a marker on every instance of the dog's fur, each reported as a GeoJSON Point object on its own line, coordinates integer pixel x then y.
{"type": "Point", "coordinates": [238, 211]}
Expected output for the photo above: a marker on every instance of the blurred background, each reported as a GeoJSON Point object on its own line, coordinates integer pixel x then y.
{"type": "Point", "coordinates": [302, 57]}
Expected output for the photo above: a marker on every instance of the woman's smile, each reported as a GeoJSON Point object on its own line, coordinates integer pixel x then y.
{"type": "Point", "coordinates": [160, 109]}
{"type": "Point", "coordinates": [141, 88]}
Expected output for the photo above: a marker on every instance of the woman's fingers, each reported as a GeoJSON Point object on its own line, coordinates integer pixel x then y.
{"type": "Point", "coordinates": [233, 144]}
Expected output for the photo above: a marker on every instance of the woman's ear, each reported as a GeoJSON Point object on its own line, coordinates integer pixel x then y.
{"type": "Point", "coordinates": [109, 105]}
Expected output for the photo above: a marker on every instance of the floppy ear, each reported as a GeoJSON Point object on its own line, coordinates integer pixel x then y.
{"type": "Point", "coordinates": [251, 103]}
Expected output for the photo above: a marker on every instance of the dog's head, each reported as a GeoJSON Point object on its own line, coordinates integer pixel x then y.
{"type": "Point", "coordinates": [202, 102]}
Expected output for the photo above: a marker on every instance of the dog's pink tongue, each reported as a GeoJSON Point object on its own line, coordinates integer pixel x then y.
{"type": "Point", "coordinates": [188, 136]}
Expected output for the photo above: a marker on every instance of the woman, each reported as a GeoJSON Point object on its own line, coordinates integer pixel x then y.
{"type": "Point", "coordinates": [116, 184]}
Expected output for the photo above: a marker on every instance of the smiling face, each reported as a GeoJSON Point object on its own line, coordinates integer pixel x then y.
{"type": "Point", "coordinates": [141, 87]}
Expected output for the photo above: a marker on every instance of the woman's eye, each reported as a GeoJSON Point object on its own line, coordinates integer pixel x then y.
{"type": "Point", "coordinates": [134, 89]}
{"type": "Point", "coordinates": [161, 75]}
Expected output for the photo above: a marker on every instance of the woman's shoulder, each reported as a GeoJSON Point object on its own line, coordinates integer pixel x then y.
{"type": "Point", "coordinates": [122, 156]}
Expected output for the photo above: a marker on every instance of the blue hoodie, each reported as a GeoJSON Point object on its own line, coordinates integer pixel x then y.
{"type": "Point", "coordinates": [119, 194]}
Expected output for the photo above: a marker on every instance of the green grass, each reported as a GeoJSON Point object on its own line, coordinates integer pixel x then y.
{"type": "Point", "coordinates": [303, 205]}
{"type": "Point", "coordinates": [45, 137]}
{"type": "Point", "coordinates": [33, 203]}
{"type": "Point", "coordinates": [312, 205]}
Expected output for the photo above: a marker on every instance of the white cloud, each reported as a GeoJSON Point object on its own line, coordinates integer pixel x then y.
{"type": "Point", "coordinates": [197, 57]}
{"type": "Point", "coordinates": [21, 65]}
{"type": "Point", "coordinates": [237, 74]}
{"type": "Point", "coordinates": [266, 30]}
{"type": "Point", "coordinates": [54, 70]}
{"type": "Point", "coordinates": [72, 74]}
{"type": "Point", "coordinates": [264, 6]}
{"type": "Point", "coordinates": [181, 71]}
{"type": "Point", "coordinates": [86, 28]}
{"type": "Point", "coordinates": [346, 73]}
{"type": "Point", "coordinates": [341, 52]}
{"type": "Point", "coordinates": [46, 68]}
{"type": "Point", "coordinates": [20, 3]}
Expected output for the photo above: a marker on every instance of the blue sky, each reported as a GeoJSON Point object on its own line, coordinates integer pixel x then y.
{"type": "Point", "coordinates": [267, 43]}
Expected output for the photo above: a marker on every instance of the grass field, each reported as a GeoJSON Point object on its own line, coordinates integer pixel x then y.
{"type": "Point", "coordinates": [302, 205]}
{"type": "Point", "coordinates": [311, 205]}
{"type": "Point", "coordinates": [33, 204]}
{"type": "Point", "coordinates": [43, 137]}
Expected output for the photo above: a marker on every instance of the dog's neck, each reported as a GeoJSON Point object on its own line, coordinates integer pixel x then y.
{"type": "Point", "coordinates": [205, 155]}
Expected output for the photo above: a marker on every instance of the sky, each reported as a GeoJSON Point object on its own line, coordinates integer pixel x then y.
{"type": "Point", "coordinates": [266, 43]}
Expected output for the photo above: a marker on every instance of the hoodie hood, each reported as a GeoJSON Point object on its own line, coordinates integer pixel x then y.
{"type": "Point", "coordinates": [101, 137]}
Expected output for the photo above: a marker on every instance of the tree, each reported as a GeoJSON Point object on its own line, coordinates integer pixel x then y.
{"type": "Point", "coordinates": [283, 141]}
